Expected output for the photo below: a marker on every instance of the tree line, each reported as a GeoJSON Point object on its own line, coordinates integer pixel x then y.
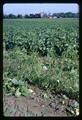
{"type": "Point", "coordinates": [45, 15]}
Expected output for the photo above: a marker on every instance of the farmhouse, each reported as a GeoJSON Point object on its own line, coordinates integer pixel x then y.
{"type": "Point", "coordinates": [54, 17]}
{"type": "Point", "coordinates": [42, 14]}
{"type": "Point", "coordinates": [50, 17]}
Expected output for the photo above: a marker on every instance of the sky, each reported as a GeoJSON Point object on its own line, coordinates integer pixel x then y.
{"type": "Point", "coordinates": [40, 7]}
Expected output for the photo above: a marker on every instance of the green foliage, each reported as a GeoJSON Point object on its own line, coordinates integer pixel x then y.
{"type": "Point", "coordinates": [15, 87]}
{"type": "Point", "coordinates": [44, 53]}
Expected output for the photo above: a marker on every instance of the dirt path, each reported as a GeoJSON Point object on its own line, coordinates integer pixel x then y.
{"type": "Point", "coordinates": [35, 105]}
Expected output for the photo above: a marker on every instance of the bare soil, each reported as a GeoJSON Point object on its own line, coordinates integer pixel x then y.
{"type": "Point", "coordinates": [36, 105]}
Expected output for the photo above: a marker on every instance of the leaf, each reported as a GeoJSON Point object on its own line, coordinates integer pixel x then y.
{"type": "Point", "coordinates": [24, 91]}
{"type": "Point", "coordinates": [15, 82]}
{"type": "Point", "coordinates": [77, 111]}
{"type": "Point", "coordinates": [18, 93]}
{"type": "Point", "coordinates": [65, 97]}
{"type": "Point", "coordinates": [30, 90]}
{"type": "Point", "coordinates": [70, 110]}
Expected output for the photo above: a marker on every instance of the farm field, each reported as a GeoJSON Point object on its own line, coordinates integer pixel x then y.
{"type": "Point", "coordinates": [42, 54]}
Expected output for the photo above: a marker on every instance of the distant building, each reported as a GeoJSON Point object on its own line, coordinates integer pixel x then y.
{"type": "Point", "coordinates": [54, 17]}
{"type": "Point", "coordinates": [50, 17]}
{"type": "Point", "coordinates": [42, 14]}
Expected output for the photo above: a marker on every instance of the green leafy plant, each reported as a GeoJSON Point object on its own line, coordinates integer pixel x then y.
{"type": "Point", "coordinates": [42, 42]}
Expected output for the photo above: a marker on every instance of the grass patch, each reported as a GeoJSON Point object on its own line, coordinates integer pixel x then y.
{"type": "Point", "coordinates": [30, 69]}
